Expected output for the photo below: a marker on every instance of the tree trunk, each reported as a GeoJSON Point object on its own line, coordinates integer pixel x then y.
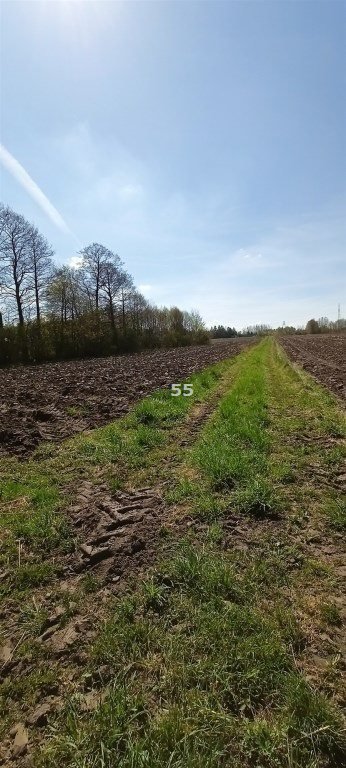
{"type": "Point", "coordinates": [19, 304]}
{"type": "Point", "coordinates": [17, 285]}
{"type": "Point", "coordinates": [123, 310]}
{"type": "Point", "coordinates": [111, 313]}
{"type": "Point", "coordinates": [37, 298]}
{"type": "Point", "coordinates": [97, 290]}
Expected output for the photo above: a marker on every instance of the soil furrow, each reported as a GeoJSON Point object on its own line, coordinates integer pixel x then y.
{"type": "Point", "coordinates": [53, 401]}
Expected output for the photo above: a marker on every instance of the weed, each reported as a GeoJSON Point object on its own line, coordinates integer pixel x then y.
{"type": "Point", "coordinates": [89, 583]}
{"type": "Point", "coordinates": [31, 575]}
{"type": "Point", "coordinates": [75, 410]}
{"type": "Point", "coordinates": [259, 499]}
{"type": "Point", "coordinates": [335, 511]}
{"type": "Point", "coordinates": [330, 614]}
{"type": "Point", "coordinates": [155, 596]}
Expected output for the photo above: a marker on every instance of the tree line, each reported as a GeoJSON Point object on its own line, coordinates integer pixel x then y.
{"type": "Point", "coordinates": [51, 312]}
{"type": "Point", "coordinates": [322, 325]}
{"type": "Point", "coordinates": [221, 332]}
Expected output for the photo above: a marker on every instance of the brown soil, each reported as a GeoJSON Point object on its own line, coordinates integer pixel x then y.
{"type": "Point", "coordinates": [323, 356]}
{"type": "Point", "coordinates": [114, 532]}
{"type": "Point", "coordinates": [56, 400]}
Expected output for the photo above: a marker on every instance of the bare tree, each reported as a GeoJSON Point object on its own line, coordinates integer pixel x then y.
{"type": "Point", "coordinates": [40, 265]}
{"type": "Point", "coordinates": [176, 320]}
{"type": "Point", "coordinates": [128, 294]}
{"type": "Point", "coordinates": [104, 280]}
{"type": "Point", "coordinates": [193, 321]}
{"type": "Point", "coordinates": [14, 258]}
{"type": "Point", "coordinates": [137, 308]}
{"type": "Point", "coordinates": [63, 295]}
{"type": "Point", "coordinates": [115, 283]}
{"type": "Point", "coordinates": [94, 257]}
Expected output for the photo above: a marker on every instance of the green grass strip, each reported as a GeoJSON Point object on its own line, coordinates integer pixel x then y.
{"type": "Point", "coordinates": [196, 673]}
{"type": "Point", "coordinates": [199, 664]}
{"type": "Point", "coordinates": [307, 433]}
{"type": "Point", "coordinates": [34, 493]}
{"type": "Point", "coordinates": [232, 456]}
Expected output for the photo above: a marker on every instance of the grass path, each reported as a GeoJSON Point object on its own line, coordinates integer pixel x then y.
{"type": "Point", "coordinates": [229, 652]}
{"type": "Point", "coordinates": [34, 494]}
{"type": "Point", "coordinates": [38, 541]}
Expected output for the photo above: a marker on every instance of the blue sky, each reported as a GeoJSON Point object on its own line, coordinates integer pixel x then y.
{"type": "Point", "coordinates": [205, 142]}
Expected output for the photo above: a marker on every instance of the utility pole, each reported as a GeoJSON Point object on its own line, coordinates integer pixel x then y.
{"type": "Point", "coordinates": [338, 317]}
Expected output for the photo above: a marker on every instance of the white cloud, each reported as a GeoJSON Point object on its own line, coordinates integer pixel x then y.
{"type": "Point", "coordinates": [130, 191]}
{"type": "Point", "coordinates": [20, 174]}
{"type": "Point", "coordinates": [146, 288]}
{"type": "Point", "coordinates": [76, 262]}
{"type": "Point", "coordinates": [292, 273]}
{"type": "Point", "coordinates": [249, 256]}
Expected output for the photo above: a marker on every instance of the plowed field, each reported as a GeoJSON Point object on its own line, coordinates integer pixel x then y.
{"type": "Point", "coordinates": [323, 356]}
{"type": "Point", "coordinates": [56, 400]}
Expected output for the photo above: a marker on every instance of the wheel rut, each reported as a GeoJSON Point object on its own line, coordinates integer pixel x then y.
{"type": "Point", "coordinates": [114, 532]}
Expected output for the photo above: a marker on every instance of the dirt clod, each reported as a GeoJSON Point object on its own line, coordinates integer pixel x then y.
{"type": "Point", "coordinates": [40, 715]}
{"type": "Point", "coordinates": [21, 740]}
{"type": "Point", "coordinates": [62, 640]}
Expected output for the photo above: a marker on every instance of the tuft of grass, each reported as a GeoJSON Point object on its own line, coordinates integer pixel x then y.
{"type": "Point", "coordinates": [155, 596]}
{"type": "Point", "coordinates": [148, 437]}
{"type": "Point", "coordinates": [31, 575]}
{"type": "Point", "coordinates": [183, 489]}
{"type": "Point", "coordinates": [89, 584]}
{"type": "Point", "coordinates": [77, 410]}
{"type": "Point", "coordinates": [259, 499]}
{"type": "Point", "coordinates": [157, 410]}
{"type": "Point", "coordinates": [29, 511]}
{"type": "Point", "coordinates": [209, 507]}
{"type": "Point", "coordinates": [335, 511]}
{"type": "Point", "coordinates": [330, 614]}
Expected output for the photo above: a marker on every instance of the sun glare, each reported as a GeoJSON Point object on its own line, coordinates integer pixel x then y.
{"type": "Point", "coordinates": [78, 19]}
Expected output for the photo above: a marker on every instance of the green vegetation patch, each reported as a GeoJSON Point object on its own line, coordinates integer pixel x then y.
{"type": "Point", "coordinates": [35, 493]}
{"type": "Point", "coordinates": [31, 526]}
{"type": "Point", "coordinates": [200, 672]}
{"type": "Point", "coordinates": [203, 663]}
{"type": "Point", "coordinates": [231, 457]}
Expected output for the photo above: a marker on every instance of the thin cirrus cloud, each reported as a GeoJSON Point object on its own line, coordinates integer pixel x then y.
{"type": "Point", "coordinates": [130, 191]}
{"type": "Point", "coordinates": [20, 174]}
